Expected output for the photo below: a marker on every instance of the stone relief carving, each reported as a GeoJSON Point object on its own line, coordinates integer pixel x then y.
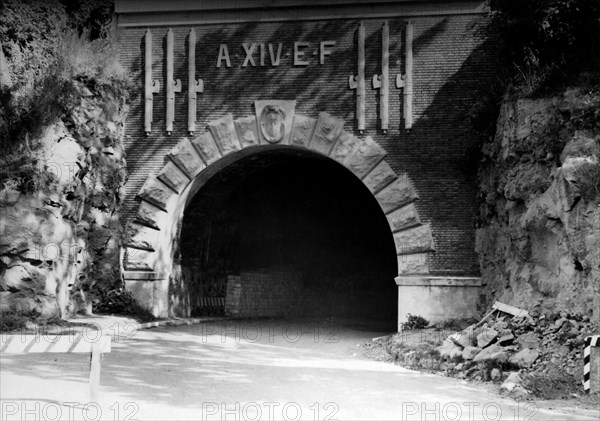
{"type": "Point", "coordinates": [223, 131]}
{"type": "Point", "coordinates": [271, 123]}
{"type": "Point", "coordinates": [274, 120]}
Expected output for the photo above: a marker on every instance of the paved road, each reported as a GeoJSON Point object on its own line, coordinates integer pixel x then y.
{"type": "Point", "coordinates": [246, 371]}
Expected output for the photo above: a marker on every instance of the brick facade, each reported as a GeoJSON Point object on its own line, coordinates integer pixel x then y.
{"type": "Point", "coordinates": [452, 65]}
{"type": "Point", "coordinates": [285, 294]}
{"type": "Point", "coordinates": [262, 294]}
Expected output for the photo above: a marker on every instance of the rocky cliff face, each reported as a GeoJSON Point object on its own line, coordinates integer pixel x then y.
{"type": "Point", "coordinates": [539, 233]}
{"type": "Point", "coordinates": [58, 203]}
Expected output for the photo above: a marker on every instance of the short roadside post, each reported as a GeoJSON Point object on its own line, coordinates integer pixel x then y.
{"type": "Point", "coordinates": [591, 364]}
{"type": "Point", "coordinates": [29, 344]}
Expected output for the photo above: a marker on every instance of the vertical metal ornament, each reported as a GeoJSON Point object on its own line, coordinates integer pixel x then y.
{"type": "Point", "coordinates": [406, 81]}
{"type": "Point", "coordinates": [381, 82]}
{"type": "Point", "coordinates": [408, 90]}
{"type": "Point", "coordinates": [358, 82]}
{"type": "Point", "coordinates": [172, 85]}
{"type": "Point", "coordinates": [194, 86]}
{"type": "Point", "coordinates": [150, 86]}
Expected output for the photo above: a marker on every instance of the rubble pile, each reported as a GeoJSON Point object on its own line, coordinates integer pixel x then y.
{"type": "Point", "coordinates": [512, 347]}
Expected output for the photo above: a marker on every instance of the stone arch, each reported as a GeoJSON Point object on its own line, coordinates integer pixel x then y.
{"type": "Point", "coordinates": [151, 235]}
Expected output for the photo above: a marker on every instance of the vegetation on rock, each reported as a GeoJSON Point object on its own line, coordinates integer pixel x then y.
{"type": "Point", "coordinates": [538, 230]}
{"type": "Point", "coordinates": [538, 235]}
{"type": "Point", "coordinates": [120, 301]}
{"type": "Point", "coordinates": [545, 44]}
{"type": "Point", "coordinates": [415, 322]}
{"type": "Point", "coordinates": [62, 165]}
{"type": "Point", "coordinates": [50, 48]}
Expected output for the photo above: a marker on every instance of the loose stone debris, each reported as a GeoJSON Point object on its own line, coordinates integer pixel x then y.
{"type": "Point", "coordinates": [528, 354]}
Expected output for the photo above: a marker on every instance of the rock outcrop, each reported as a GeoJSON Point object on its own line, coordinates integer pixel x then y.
{"type": "Point", "coordinates": [58, 202]}
{"type": "Point", "coordinates": [539, 224]}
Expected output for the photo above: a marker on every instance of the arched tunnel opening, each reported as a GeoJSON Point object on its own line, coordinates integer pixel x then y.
{"type": "Point", "coordinates": [288, 232]}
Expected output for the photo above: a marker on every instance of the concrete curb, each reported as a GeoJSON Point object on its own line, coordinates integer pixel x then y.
{"type": "Point", "coordinates": [119, 325]}
{"type": "Point", "coordinates": [176, 322]}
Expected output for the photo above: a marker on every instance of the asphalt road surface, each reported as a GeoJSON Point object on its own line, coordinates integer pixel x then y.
{"type": "Point", "coordinates": [245, 370]}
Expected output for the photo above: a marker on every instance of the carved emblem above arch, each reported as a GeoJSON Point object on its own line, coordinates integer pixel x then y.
{"type": "Point", "coordinates": [275, 122]}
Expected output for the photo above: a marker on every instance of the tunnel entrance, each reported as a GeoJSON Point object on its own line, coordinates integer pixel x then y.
{"type": "Point", "coordinates": [288, 233]}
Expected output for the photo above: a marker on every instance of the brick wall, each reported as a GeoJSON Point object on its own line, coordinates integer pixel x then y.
{"type": "Point", "coordinates": [273, 293]}
{"type": "Point", "coordinates": [263, 294]}
{"type": "Point", "coordinates": [450, 66]}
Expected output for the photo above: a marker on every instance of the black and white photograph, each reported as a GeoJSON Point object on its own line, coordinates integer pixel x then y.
{"type": "Point", "coordinates": [300, 210]}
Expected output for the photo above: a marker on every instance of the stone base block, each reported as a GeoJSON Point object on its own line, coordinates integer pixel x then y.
{"type": "Point", "coordinates": [437, 298]}
{"type": "Point", "coordinates": [150, 289]}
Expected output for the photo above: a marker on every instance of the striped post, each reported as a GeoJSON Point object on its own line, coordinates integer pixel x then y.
{"type": "Point", "coordinates": [30, 344]}
{"type": "Point", "coordinates": [590, 341]}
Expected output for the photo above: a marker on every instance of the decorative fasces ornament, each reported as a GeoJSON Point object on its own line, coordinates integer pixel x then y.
{"type": "Point", "coordinates": [406, 81]}
{"type": "Point", "coordinates": [172, 85]}
{"type": "Point", "coordinates": [358, 82]}
{"type": "Point", "coordinates": [150, 86]}
{"type": "Point", "coordinates": [275, 120]}
{"type": "Point", "coordinates": [194, 86]}
{"type": "Point", "coordinates": [381, 82]}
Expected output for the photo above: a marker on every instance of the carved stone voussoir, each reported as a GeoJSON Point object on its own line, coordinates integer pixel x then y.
{"type": "Point", "coordinates": [184, 155]}
{"type": "Point", "coordinates": [414, 240]}
{"type": "Point", "coordinates": [223, 131]}
{"type": "Point", "coordinates": [156, 192]}
{"type": "Point", "coordinates": [365, 157]}
{"type": "Point", "coordinates": [275, 121]}
{"type": "Point", "coordinates": [398, 193]}
{"type": "Point", "coordinates": [150, 215]}
{"type": "Point", "coordinates": [140, 236]}
{"type": "Point", "coordinates": [379, 177]}
{"type": "Point", "coordinates": [136, 259]}
{"type": "Point", "coordinates": [172, 176]}
{"type": "Point", "coordinates": [207, 148]}
{"type": "Point", "coordinates": [404, 217]}
{"type": "Point", "coordinates": [326, 132]}
{"type": "Point", "coordinates": [344, 147]}
{"type": "Point", "coordinates": [413, 264]}
{"type": "Point", "coordinates": [302, 130]}
{"type": "Point", "coordinates": [247, 131]}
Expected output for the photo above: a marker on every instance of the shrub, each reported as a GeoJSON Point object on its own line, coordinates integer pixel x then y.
{"type": "Point", "coordinates": [456, 324]}
{"type": "Point", "coordinates": [50, 47]}
{"type": "Point", "coordinates": [545, 42]}
{"type": "Point", "coordinates": [415, 322]}
{"type": "Point", "coordinates": [83, 58]}
{"type": "Point", "coordinates": [94, 16]}
{"type": "Point", "coordinates": [29, 30]}
{"type": "Point", "coordinates": [10, 321]}
{"type": "Point", "coordinates": [588, 184]}
{"type": "Point", "coordinates": [121, 301]}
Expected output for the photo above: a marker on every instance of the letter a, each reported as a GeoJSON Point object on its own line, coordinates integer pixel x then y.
{"type": "Point", "coordinates": [223, 55]}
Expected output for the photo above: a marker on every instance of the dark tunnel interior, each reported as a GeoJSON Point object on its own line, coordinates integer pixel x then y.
{"type": "Point", "coordinates": [303, 235]}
